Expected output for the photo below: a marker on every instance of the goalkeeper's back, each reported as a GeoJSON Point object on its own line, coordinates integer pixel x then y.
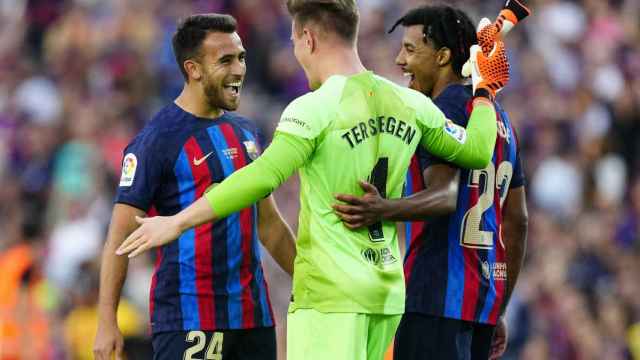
{"type": "Point", "coordinates": [363, 127]}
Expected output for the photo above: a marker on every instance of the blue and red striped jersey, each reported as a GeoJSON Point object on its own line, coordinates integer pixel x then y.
{"type": "Point", "coordinates": [456, 268]}
{"type": "Point", "coordinates": [414, 183]}
{"type": "Point", "coordinates": [210, 278]}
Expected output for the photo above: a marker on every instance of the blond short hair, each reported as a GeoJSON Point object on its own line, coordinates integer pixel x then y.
{"type": "Point", "coordinates": [340, 17]}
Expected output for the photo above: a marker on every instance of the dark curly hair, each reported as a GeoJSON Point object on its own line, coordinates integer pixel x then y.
{"type": "Point", "coordinates": [193, 30]}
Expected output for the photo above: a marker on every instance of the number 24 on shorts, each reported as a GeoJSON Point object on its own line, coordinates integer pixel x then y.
{"type": "Point", "coordinates": [214, 349]}
{"type": "Point", "coordinates": [470, 233]}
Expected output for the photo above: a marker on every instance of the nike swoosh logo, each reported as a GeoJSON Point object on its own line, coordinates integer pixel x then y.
{"type": "Point", "coordinates": [197, 162]}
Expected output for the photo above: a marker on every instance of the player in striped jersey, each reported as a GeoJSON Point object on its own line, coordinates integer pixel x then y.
{"type": "Point", "coordinates": [462, 264]}
{"type": "Point", "coordinates": [208, 296]}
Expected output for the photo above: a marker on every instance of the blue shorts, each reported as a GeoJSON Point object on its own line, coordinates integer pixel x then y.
{"type": "Point", "coordinates": [249, 344]}
{"type": "Point", "coordinates": [421, 336]}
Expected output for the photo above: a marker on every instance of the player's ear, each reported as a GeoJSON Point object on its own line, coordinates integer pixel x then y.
{"type": "Point", "coordinates": [443, 57]}
{"type": "Point", "coordinates": [193, 69]}
{"type": "Point", "coordinates": [310, 39]}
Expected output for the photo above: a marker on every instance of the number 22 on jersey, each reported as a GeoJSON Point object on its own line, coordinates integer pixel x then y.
{"type": "Point", "coordinates": [487, 180]}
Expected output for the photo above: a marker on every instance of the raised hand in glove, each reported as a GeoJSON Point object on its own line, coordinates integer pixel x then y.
{"type": "Point", "coordinates": [489, 73]}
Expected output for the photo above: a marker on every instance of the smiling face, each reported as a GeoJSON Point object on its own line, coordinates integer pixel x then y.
{"type": "Point", "coordinates": [418, 60]}
{"type": "Point", "coordinates": [221, 69]}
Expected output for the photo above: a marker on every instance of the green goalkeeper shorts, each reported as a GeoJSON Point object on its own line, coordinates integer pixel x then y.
{"type": "Point", "coordinates": [313, 335]}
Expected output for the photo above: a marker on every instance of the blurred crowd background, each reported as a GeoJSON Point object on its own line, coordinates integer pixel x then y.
{"type": "Point", "coordinates": [78, 78]}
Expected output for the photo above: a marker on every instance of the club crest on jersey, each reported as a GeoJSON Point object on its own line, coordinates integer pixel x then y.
{"type": "Point", "coordinates": [455, 131]}
{"type": "Point", "coordinates": [252, 149]}
{"type": "Point", "coordinates": [129, 166]}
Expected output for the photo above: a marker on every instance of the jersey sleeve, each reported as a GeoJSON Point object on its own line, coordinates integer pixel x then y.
{"type": "Point", "coordinates": [468, 148]}
{"type": "Point", "coordinates": [424, 158]}
{"type": "Point", "coordinates": [141, 173]}
{"type": "Point", "coordinates": [454, 111]}
{"type": "Point", "coordinates": [301, 118]}
{"type": "Point", "coordinates": [255, 181]}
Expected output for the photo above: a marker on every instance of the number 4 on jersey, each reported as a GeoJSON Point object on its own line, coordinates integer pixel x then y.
{"type": "Point", "coordinates": [378, 179]}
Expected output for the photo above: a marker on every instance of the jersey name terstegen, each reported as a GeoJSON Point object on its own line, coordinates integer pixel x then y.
{"type": "Point", "coordinates": [381, 125]}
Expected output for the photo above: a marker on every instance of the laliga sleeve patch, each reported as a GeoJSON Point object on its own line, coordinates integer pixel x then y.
{"type": "Point", "coordinates": [129, 166]}
{"type": "Point", "coordinates": [455, 131]}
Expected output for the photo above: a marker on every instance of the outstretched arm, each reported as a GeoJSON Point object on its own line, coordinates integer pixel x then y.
{"type": "Point", "coordinates": [244, 187]}
{"type": "Point", "coordinates": [438, 198]}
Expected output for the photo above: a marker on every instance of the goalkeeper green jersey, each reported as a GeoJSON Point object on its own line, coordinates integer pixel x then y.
{"type": "Point", "coordinates": [361, 127]}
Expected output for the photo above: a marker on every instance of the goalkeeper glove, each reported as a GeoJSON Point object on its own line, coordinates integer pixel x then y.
{"type": "Point", "coordinates": [513, 12]}
{"type": "Point", "coordinates": [490, 73]}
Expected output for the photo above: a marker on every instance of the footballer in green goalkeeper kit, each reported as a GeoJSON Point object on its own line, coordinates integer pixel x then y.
{"type": "Point", "coordinates": [348, 286]}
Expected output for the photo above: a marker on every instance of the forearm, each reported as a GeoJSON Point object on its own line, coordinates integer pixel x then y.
{"type": "Point", "coordinates": [417, 206]}
{"type": "Point", "coordinates": [113, 271]}
{"type": "Point", "coordinates": [276, 235]}
{"type": "Point", "coordinates": [198, 213]}
{"type": "Point", "coordinates": [438, 198]}
{"type": "Point", "coordinates": [474, 151]}
{"type": "Point", "coordinates": [514, 236]}
{"type": "Point", "coordinates": [113, 268]}
{"type": "Point", "coordinates": [515, 239]}
{"type": "Point", "coordinates": [282, 250]}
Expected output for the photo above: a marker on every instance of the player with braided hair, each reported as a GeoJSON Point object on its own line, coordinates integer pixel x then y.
{"type": "Point", "coordinates": [462, 265]}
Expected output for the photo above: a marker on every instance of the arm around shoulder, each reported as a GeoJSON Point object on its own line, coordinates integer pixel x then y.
{"type": "Point", "coordinates": [438, 198]}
